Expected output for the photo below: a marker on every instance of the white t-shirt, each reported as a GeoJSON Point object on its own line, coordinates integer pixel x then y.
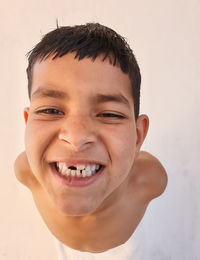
{"type": "Point", "coordinates": [132, 249]}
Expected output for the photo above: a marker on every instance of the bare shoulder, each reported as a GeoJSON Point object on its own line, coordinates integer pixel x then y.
{"type": "Point", "coordinates": [23, 172]}
{"type": "Point", "coordinates": [149, 176]}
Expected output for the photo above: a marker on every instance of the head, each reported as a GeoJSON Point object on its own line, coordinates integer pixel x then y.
{"type": "Point", "coordinates": [90, 40]}
{"type": "Point", "coordinates": [84, 86]}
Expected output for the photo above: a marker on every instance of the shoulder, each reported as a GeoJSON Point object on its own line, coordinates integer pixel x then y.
{"type": "Point", "coordinates": [149, 176]}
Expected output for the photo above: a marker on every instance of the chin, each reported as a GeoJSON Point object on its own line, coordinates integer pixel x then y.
{"type": "Point", "coordinates": [75, 209]}
{"type": "Point", "coordinates": [74, 212]}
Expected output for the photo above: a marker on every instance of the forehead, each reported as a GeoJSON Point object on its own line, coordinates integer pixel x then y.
{"type": "Point", "coordinates": [86, 76]}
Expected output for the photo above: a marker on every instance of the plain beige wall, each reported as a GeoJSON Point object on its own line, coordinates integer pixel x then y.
{"type": "Point", "coordinates": [165, 36]}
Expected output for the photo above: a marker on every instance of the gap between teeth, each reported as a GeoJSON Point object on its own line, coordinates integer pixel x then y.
{"type": "Point", "coordinates": [82, 170]}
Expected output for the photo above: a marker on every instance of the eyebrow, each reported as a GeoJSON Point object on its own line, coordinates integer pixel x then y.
{"type": "Point", "coordinates": [99, 98]}
{"type": "Point", "coordinates": [43, 92]}
{"type": "Point", "coordinates": [118, 98]}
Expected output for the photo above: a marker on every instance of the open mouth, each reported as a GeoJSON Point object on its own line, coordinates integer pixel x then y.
{"type": "Point", "coordinates": [77, 171]}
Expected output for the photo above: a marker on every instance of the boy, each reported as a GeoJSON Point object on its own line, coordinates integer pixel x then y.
{"type": "Point", "coordinates": [83, 165]}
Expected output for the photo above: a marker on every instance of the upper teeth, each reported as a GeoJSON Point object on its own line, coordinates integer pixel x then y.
{"type": "Point", "coordinates": [82, 170]}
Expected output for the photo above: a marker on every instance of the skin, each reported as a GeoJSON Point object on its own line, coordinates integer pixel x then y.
{"type": "Point", "coordinates": [87, 127]}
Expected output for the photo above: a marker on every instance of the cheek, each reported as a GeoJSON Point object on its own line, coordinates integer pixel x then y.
{"type": "Point", "coordinates": [122, 148]}
{"type": "Point", "coordinates": [37, 138]}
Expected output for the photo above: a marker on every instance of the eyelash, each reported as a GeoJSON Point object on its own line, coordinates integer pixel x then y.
{"type": "Point", "coordinates": [55, 111]}
{"type": "Point", "coordinates": [50, 111]}
{"type": "Point", "coordinates": [111, 115]}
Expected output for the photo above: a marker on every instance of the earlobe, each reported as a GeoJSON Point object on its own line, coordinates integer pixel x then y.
{"type": "Point", "coordinates": [26, 114]}
{"type": "Point", "coordinates": [142, 126]}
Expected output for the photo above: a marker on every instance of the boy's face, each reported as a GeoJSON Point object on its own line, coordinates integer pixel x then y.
{"type": "Point", "coordinates": [82, 113]}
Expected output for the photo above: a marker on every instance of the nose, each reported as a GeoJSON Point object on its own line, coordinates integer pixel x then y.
{"type": "Point", "coordinates": [77, 132]}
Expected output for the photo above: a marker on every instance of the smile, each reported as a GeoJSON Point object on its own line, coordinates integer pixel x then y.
{"type": "Point", "coordinates": [81, 171]}
{"type": "Point", "coordinates": [76, 175]}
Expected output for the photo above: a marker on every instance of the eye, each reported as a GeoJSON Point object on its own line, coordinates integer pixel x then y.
{"type": "Point", "coordinates": [111, 115]}
{"type": "Point", "coordinates": [50, 111]}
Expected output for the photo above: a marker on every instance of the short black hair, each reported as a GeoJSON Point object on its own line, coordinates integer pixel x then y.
{"type": "Point", "coordinates": [89, 40]}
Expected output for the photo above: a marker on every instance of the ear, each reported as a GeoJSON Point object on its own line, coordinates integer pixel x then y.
{"type": "Point", "coordinates": [142, 125]}
{"type": "Point", "coordinates": [26, 113]}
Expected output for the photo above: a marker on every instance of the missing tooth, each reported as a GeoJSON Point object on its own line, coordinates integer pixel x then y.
{"type": "Point", "coordinates": [72, 168]}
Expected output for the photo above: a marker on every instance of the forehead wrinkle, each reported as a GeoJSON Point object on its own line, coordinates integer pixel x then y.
{"type": "Point", "coordinates": [42, 92]}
